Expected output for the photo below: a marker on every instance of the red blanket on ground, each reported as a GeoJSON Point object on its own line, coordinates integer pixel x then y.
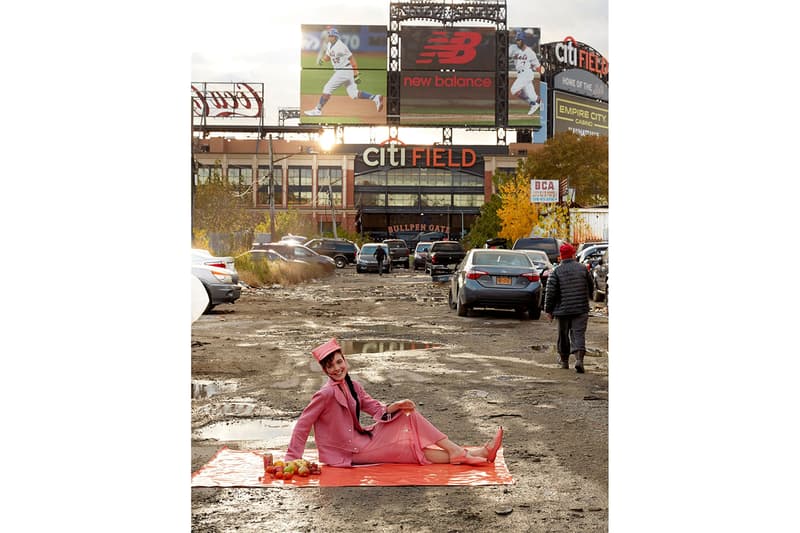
{"type": "Point", "coordinates": [244, 468]}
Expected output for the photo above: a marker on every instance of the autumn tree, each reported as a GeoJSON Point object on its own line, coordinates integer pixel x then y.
{"type": "Point", "coordinates": [487, 225]}
{"type": "Point", "coordinates": [517, 214]}
{"type": "Point", "coordinates": [580, 160]}
{"type": "Point", "coordinates": [220, 210]}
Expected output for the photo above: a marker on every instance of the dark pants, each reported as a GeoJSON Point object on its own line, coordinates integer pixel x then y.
{"type": "Point", "coordinates": [380, 267]}
{"type": "Point", "coordinates": [571, 334]}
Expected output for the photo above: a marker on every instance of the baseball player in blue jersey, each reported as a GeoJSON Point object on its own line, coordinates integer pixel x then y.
{"type": "Point", "coordinates": [525, 62]}
{"type": "Point", "coordinates": [345, 72]}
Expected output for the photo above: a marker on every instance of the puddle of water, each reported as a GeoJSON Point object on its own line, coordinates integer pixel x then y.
{"type": "Point", "coordinates": [204, 388]}
{"type": "Point", "coordinates": [271, 432]}
{"type": "Point", "coordinates": [383, 345]}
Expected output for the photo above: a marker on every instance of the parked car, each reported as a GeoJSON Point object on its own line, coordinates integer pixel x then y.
{"type": "Point", "coordinates": [399, 252]}
{"type": "Point", "coordinates": [342, 251]}
{"type": "Point", "coordinates": [600, 279]}
{"type": "Point", "coordinates": [496, 278]}
{"type": "Point", "coordinates": [301, 253]}
{"type": "Point", "coordinates": [411, 238]}
{"type": "Point", "coordinates": [297, 239]}
{"type": "Point", "coordinates": [421, 255]}
{"type": "Point", "coordinates": [549, 245]}
{"type": "Point", "coordinates": [434, 236]}
{"type": "Point", "coordinates": [543, 265]}
{"type": "Point", "coordinates": [267, 255]}
{"type": "Point", "coordinates": [582, 246]}
{"type": "Point", "coordinates": [221, 284]}
{"type": "Point", "coordinates": [204, 257]}
{"type": "Point", "coordinates": [497, 242]}
{"type": "Point", "coordinates": [589, 252]}
{"type": "Point", "coordinates": [442, 256]}
{"type": "Point", "coordinates": [366, 261]}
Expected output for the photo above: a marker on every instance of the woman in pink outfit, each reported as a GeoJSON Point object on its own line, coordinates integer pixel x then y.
{"type": "Point", "coordinates": [399, 435]}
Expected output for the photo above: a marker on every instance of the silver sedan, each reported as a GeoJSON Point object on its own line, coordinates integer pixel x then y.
{"type": "Point", "coordinates": [495, 278]}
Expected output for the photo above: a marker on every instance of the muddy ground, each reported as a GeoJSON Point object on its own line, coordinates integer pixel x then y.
{"type": "Point", "coordinates": [251, 361]}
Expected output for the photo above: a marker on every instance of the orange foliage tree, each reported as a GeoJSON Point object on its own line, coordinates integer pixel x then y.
{"type": "Point", "coordinates": [517, 214]}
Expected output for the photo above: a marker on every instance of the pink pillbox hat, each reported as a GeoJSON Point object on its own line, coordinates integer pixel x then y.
{"type": "Point", "coordinates": [324, 350]}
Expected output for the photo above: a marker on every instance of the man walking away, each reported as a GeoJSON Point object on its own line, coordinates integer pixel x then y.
{"type": "Point", "coordinates": [380, 255]}
{"type": "Point", "coordinates": [567, 297]}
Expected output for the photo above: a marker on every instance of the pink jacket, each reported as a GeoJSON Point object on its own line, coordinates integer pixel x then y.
{"type": "Point", "coordinates": [336, 438]}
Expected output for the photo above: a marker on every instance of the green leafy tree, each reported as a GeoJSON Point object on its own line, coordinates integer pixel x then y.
{"type": "Point", "coordinates": [218, 209]}
{"type": "Point", "coordinates": [581, 160]}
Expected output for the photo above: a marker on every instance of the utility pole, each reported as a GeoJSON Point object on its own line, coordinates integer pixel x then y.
{"type": "Point", "coordinates": [271, 194]}
{"type": "Point", "coordinates": [333, 211]}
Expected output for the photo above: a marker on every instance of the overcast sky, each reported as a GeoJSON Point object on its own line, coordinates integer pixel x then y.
{"type": "Point", "coordinates": [257, 46]}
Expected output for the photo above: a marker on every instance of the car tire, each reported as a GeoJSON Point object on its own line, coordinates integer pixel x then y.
{"type": "Point", "coordinates": [451, 303]}
{"type": "Point", "coordinates": [340, 261]}
{"type": "Point", "coordinates": [461, 308]}
{"type": "Point", "coordinates": [407, 265]}
{"type": "Point", "coordinates": [534, 312]}
{"type": "Point", "coordinates": [358, 270]}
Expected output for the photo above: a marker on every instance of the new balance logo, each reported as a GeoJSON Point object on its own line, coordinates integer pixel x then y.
{"type": "Point", "coordinates": [456, 50]}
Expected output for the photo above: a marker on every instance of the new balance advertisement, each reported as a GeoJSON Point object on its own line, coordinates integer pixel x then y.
{"type": "Point", "coordinates": [427, 48]}
{"type": "Point", "coordinates": [579, 115]}
{"type": "Point", "coordinates": [447, 77]}
{"type": "Point", "coordinates": [343, 77]}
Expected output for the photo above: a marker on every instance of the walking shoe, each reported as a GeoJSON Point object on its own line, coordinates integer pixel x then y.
{"type": "Point", "coordinates": [378, 99]}
{"type": "Point", "coordinates": [579, 361]}
{"type": "Point", "coordinates": [564, 361]}
{"type": "Point", "coordinates": [314, 112]}
{"type": "Point", "coordinates": [533, 109]}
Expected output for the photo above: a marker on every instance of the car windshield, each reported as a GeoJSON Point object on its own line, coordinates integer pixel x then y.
{"type": "Point", "coordinates": [489, 259]}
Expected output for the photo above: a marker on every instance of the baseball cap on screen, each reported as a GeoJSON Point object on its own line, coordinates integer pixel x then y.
{"type": "Point", "coordinates": [333, 31]}
{"type": "Point", "coordinates": [520, 36]}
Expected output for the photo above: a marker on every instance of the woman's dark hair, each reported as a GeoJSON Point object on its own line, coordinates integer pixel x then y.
{"type": "Point", "coordinates": [358, 405]}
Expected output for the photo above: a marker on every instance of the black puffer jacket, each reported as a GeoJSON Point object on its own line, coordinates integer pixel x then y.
{"type": "Point", "coordinates": [568, 289]}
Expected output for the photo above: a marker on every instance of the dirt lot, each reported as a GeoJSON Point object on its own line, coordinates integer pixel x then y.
{"type": "Point", "coordinates": [485, 370]}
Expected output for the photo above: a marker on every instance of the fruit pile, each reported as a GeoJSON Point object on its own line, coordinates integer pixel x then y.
{"type": "Point", "coordinates": [287, 470]}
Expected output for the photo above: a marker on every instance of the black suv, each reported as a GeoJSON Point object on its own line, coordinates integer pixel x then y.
{"type": "Point", "coordinates": [342, 251]}
{"type": "Point", "coordinates": [399, 252]}
{"type": "Point", "coordinates": [548, 245]}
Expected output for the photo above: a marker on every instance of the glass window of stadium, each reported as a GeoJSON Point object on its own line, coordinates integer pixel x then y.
{"type": "Point", "coordinates": [240, 178]}
{"type": "Point", "coordinates": [299, 188]}
{"type": "Point", "coordinates": [262, 196]}
{"type": "Point", "coordinates": [329, 179]}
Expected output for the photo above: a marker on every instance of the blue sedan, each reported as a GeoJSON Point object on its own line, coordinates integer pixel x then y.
{"type": "Point", "coordinates": [495, 278]}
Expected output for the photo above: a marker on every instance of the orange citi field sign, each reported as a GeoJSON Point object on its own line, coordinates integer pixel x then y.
{"type": "Point", "coordinates": [400, 156]}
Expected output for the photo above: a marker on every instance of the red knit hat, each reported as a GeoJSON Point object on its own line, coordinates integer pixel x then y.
{"type": "Point", "coordinates": [567, 251]}
{"type": "Point", "coordinates": [324, 350]}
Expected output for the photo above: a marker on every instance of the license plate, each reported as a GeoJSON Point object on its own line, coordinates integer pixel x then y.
{"type": "Point", "coordinates": [503, 280]}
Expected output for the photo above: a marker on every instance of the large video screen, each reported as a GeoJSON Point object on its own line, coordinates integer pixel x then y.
{"type": "Point", "coordinates": [527, 104]}
{"type": "Point", "coordinates": [343, 77]}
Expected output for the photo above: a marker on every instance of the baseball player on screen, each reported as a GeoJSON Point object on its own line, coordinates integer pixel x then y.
{"type": "Point", "coordinates": [525, 62]}
{"type": "Point", "coordinates": [345, 72]}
